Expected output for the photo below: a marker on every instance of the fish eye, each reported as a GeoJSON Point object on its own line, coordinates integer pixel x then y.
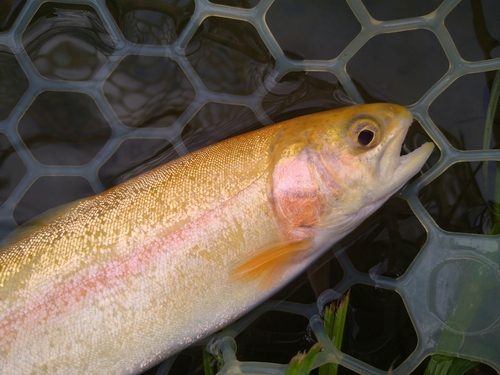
{"type": "Point", "coordinates": [364, 133]}
{"type": "Point", "coordinates": [365, 137]}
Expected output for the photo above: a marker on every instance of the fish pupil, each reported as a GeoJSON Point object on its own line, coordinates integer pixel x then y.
{"type": "Point", "coordinates": [365, 137]}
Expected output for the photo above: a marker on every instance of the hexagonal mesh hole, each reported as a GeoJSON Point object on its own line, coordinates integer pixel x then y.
{"type": "Point", "coordinates": [461, 199]}
{"type": "Point", "coordinates": [148, 91]}
{"type": "Point", "coordinates": [379, 331]}
{"type": "Point", "coordinates": [66, 41]}
{"type": "Point", "coordinates": [276, 335]}
{"type": "Point", "coordinates": [229, 56]}
{"type": "Point", "coordinates": [296, 27]}
{"type": "Point", "coordinates": [387, 242]}
{"type": "Point", "coordinates": [64, 137]}
{"type": "Point", "coordinates": [387, 77]}
{"type": "Point", "coordinates": [461, 118]}
{"type": "Point", "coordinates": [13, 82]}
{"type": "Point", "coordinates": [154, 22]}
{"type": "Point", "coordinates": [12, 169]}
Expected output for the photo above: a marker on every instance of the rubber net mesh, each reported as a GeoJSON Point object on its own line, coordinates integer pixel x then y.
{"type": "Point", "coordinates": [145, 82]}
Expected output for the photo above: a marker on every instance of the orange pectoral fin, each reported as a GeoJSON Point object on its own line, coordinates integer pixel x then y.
{"type": "Point", "coordinates": [267, 262]}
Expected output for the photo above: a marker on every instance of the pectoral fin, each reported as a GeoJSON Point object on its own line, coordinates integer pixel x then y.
{"type": "Point", "coordinates": [266, 263]}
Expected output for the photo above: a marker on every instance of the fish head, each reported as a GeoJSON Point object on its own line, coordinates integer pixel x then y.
{"type": "Point", "coordinates": [343, 164]}
{"type": "Point", "coordinates": [328, 172]}
{"type": "Point", "coordinates": [358, 159]}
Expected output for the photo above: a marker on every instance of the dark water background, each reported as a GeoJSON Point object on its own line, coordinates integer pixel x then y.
{"type": "Point", "coordinates": [148, 94]}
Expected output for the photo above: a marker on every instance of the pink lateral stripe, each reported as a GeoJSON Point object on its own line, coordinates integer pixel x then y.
{"type": "Point", "coordinates": [68, 296]}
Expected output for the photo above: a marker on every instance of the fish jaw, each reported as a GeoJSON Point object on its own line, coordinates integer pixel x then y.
{"type": "Point", "coordinates": [394, 170]}
{"type": "Point", "coordinates": [411, 163]}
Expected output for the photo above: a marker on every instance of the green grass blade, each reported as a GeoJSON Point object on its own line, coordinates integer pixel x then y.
{"type": "Point", "coordinates": [495, 229]}
{"type": "Point", "coordinates": [444, 365]}
{"type": "Point", "coordinates": [490, 117]}
{"type": "Point", "coordinates": [207, 359]}
{"type": "Point", "coordinates": [329, 322]}
{"type": "Point", "coordinates": [302, 363]}
{"type": "Point", "coordinates": [335, 317]}
{"type": "Point", "coordinates": [339, 323]}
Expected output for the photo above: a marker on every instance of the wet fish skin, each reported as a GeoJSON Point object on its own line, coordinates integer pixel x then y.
{"type": "Point", "coordinates": [119, 281]}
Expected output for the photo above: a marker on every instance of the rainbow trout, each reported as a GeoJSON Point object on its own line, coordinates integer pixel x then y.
{"type": "Point", "coordinates": [119, 281]}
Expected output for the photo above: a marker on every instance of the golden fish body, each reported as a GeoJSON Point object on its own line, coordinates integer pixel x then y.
{"type": "Point", "coordinates": [119, 281]}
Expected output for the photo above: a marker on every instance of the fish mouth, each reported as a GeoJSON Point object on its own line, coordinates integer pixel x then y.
{"type": "Point", "coordinates": [411, 163]}
{"type": "Point", "coordinates": [396, 169]}
{"type": "Point", "coordinates": [406, 166]}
